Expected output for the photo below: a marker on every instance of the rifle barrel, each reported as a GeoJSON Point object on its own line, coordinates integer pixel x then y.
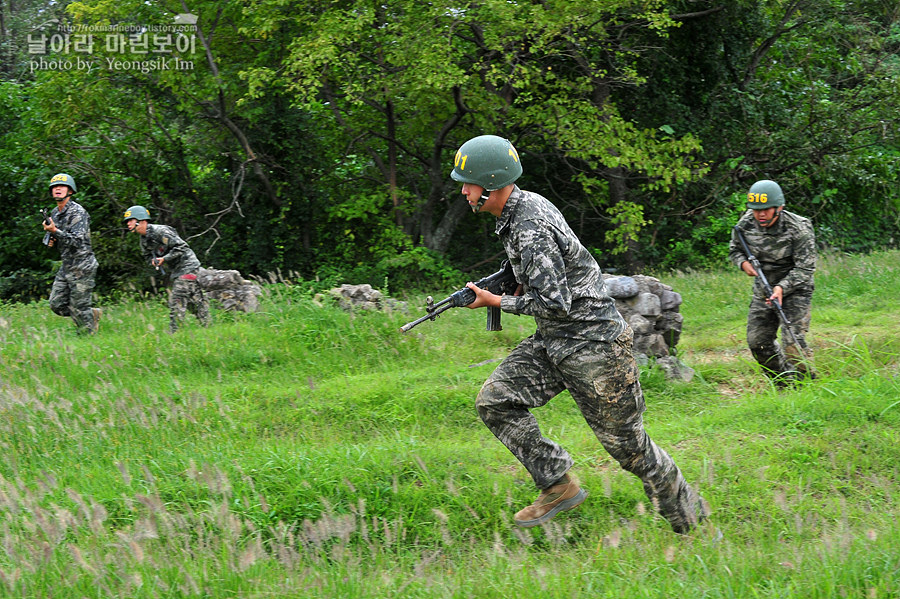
{"type": "Point", "coordinates": [444, 306]}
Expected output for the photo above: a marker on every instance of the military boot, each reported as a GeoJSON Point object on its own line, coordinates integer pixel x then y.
{"type": "Point", "coordinates": [801, 362]}
{"type": "Point", "coordinates": [566, 494]}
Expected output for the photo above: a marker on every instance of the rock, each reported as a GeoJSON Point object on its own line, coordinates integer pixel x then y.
{"type": "Point", "coordinates": [640, 325]}
{"type": "Point", "coordinates": [646, 304]}
{"type": "Point", "coordinates": [669, 326]}
{"type": "Point", "coordinates": [651, 307]}
{"type": "Point", "coordinates": [229, 289]}
{"type": "Point", "coordinates": [359, 297]}
{"type": "Point", "coordinates": [651, 345]}
{"type": "Point", "coordinates": [621, 287]}
{"type": "Point", "coordinates": [669, 300]}
{"type": "Point", "coordinates": [675, 369]}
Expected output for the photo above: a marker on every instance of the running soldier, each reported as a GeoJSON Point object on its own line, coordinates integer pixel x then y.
{"type": "Point", "coordinates": [171, 256]}
{"type": "Point", "coordinates": [582, 344]}
{"type": "Point", "coordinates": [69, 227]}
{"type": "Point", "coordinates": [785, 245]}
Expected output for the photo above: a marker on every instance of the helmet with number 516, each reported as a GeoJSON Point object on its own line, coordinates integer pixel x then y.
{"type": "Point", "coordinates": [764, 194]}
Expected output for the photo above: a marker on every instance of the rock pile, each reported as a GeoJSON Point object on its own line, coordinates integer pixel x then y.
{"type": "Point", "coordinates": [230, 289]}
{"type": "Point", "coordinates": [652, 310]}
{"type": "Point", "coordinates": [360, 297]}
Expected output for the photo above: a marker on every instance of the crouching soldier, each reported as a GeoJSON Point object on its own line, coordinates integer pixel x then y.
{"type": "Point", "coordinates": [785, 246]}
{"type": "Point", "coordinates": [172, 257]}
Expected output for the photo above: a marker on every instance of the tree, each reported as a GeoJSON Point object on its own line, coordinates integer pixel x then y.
{"type": "Point", "coordinates": [539, 73]}
{"type": "Point", "coordinates": [801, 92]}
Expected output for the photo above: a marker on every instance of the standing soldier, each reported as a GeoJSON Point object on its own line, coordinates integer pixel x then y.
{"type": "Point", "coordinates": [785, 245]}
{"type": "Point", "coordinates": [582, 344]}
{"type": "Point", "coordinates": [69, 227]}
{"type": "Point", "coordinates": [171, 255]}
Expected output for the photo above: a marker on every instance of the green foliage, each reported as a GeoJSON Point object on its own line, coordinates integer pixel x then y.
{"type": "Point", "coordinates": [627, 219]}
{"type": "Point", "coordinates": [802, 95]}
{"type": "Point", "coordinates": [308, 451]}
{"type": "Point", "coordinates": [705, 245]}
{"type": "Point", "coordinates": [315, 138]}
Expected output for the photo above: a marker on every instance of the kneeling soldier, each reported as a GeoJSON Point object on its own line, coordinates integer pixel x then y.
{"type": "Point", "coordinates": [161, 245]}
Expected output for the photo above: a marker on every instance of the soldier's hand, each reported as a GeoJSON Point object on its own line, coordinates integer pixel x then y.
{"type": "Point", "coordinates": [49, 226]}
{"type": "Point", "coordinates": [483, 297]}
{"type": "Point", "coordinates": [748, 268]}
{"type": "Point", "coordinates": [777, 295]}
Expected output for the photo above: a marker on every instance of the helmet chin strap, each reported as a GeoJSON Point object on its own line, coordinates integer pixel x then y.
{"type": "Point", "coordinates": [485, 195]}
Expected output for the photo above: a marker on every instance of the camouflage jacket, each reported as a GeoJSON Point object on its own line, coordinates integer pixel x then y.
{"type": "Point", "coordinates": [162, 241]}
{"type": "Point", "coordinates": [73, 237]}
{"type": "Point", "coordinates": [786, 251]}
{"type": "Point", "coordinates": [563, 287]}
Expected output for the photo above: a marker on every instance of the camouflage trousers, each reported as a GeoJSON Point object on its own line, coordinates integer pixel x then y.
{"type": "Point", "coordinates": [71, 295]}
{"type": "Point", "coordinates": [763, 323]}
{"type": "Point", "coordinates": [603, 380]}
{"type": "Point", "coordinates": [187, 295]}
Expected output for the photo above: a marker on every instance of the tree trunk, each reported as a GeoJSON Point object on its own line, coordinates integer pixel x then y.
{"type": "Point", "coordinates": [443, 233]}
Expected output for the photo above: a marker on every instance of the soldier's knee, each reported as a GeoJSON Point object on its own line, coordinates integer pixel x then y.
{"type": "Point", "coordinates": [760, 339]}
{"type": "Point", "coordinates": [483, 399]}
{"type": "Point", "coordinates": [487, 399]}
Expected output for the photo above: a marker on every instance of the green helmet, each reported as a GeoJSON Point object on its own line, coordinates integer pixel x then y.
{"type": "Point", "coordinates": [138, 212]}
{"type": "Point", "coordinates": [764, 194]}
{"type": "Point", "coordinates": [63, 179]}
{"type": "Point", "coordinates": [488, 161]}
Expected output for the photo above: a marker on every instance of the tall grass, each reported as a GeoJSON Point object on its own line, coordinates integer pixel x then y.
{"type": "Point", "coordinates": [304, 451]}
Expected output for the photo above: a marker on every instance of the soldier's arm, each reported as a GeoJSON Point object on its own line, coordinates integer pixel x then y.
{"type": "Point", "coordinates": [736, 253]}
{"type": "Point", "coordinates": [804, 248]}
{"type": "Point", "coordinates": [543, 275]}
{"type": "Point", "coordinates": [176, 247]}
{"type": "Point", "coordinates": [76, 231]}
{"type": "Point", "coordinates": [147, 245]}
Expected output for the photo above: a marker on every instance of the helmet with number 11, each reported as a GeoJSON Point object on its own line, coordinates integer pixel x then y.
{"type": "Point", "coordinates": [489, 161]}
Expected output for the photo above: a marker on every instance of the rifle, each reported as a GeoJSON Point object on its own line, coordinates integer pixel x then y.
{"type": "Point", "coordinates": [769, 291]}
{"type": "Point", "coordinates": [501, 282]}
{"type": "Point", "coordinates": [49, 239]}
{"type": "Point", "coordinates": [158, 253]}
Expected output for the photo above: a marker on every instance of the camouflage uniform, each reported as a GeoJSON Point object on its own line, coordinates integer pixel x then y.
{"type": "Point", "coordinates": [182, 266]}
{"type": "Point", "coordinates": [581, 344]}
{"type": "Point", "coordinates": [74, 282]}
{"type": "Point", "coordinates": [787, 253]}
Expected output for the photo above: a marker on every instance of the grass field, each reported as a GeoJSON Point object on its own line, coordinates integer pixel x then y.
{"type": "Point", "coordinates": [306, 452]}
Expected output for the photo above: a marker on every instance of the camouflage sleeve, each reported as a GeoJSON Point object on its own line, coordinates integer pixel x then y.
{"type": "Point", "coordinates": [147, 247]}
{"type": "Point", "coordinates": [77, 229]}
{"type": "Point", "coordinates": [804, 250]}
{"type": "Point", "coordinates": [735, 252]}
{"type": "Point", "coordinates": [542, 274]}
{"type": "Point", "coordinates": [176, 246]}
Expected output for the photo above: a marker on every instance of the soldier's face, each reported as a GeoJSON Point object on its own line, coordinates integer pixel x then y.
{"type": "Point", "coordinates": [137, 226]}
{"type": "Point", "coordinates": [59, 192]}
{"type": "Point", "coordinates": [767, 216]}
{"type": "Point", "coordinates": [473, 193]}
